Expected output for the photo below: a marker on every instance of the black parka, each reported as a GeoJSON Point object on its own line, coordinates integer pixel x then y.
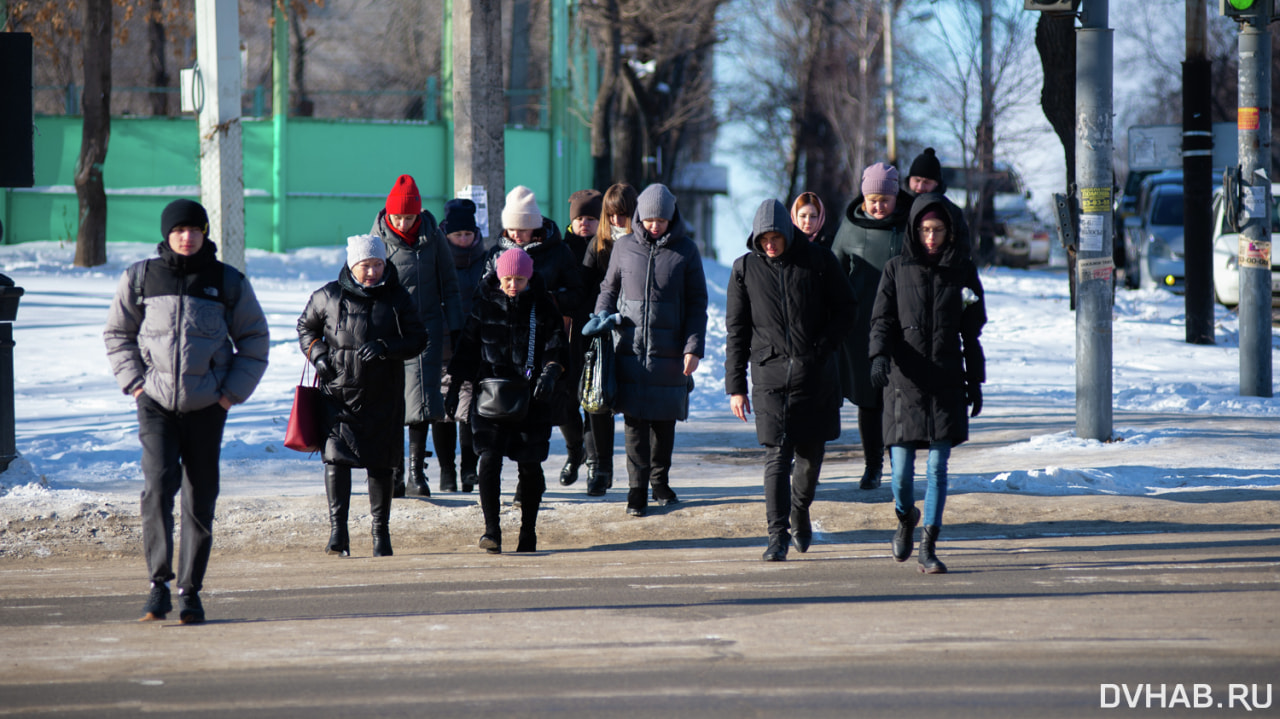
{"type": "Point", "coordinates": [425, 269]}
{"type": "Point", "coordinates": [554, 260]}
{"type": "Point", "coordinates": [787, 315]}
{"type": "Point", "coordinates": [364, 408]}
{"type": "Point", "coordinates": [926, 323]}
{"type": "Point", "coordinates": [495, 343]}
{"type": "Point", "coordinates": [862, 246]}
{"type": "Point", "coordinates": [957, 214]}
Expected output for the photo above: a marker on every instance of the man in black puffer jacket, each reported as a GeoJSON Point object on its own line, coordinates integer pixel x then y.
{"type": "Point", "coordinates": [789, 306]}
{"type": "Point", "coordinates": [187, 339]}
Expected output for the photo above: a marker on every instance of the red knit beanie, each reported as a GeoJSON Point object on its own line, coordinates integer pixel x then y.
{"type": "Point", "coordinates": [404, 198]}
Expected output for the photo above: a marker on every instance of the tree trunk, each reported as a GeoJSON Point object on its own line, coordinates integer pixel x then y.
{"type": "Point", "coordinates": [156, 41]}
{"type": "Point", "coordinates": [604, 112]}
{"type": "Point", "coordinates": [1056, 41]}
{"type": "Point", "coordinates": [91, 238]}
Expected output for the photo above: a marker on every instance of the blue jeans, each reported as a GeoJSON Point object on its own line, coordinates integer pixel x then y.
{"type": "Point", "coordinates": [903, 459]}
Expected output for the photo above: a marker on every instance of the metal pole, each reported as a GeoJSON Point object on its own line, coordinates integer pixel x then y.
{"type": "Point", "coordinates": [559, 108]}
{"type": "Point", "coordinates": [279, 127]}
{"type": "Point", "coordinates": [1094, 265]}
{"type": "Point", "coordinates": [1197, 171]}
{"type": "Point", "coordinates": [478, 127]}
{"type": "Point", "coordinates": [890, 102]}
{"type": "Point", "coordinates": [1253, 126]}
{"type": "Point", "coordinates": [218, 105]}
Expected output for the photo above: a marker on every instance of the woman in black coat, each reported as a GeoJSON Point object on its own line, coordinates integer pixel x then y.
{"type": "Point", "coordinates": [871, 232]}
{"type": "Point", "coordinates": [358, 331]}
{"type": "Point", "coordinates": [496, 343]}
{"type": "Point", "coordinates": [788, 308]}
{"type": "Point", "coordinates": [928, 315]}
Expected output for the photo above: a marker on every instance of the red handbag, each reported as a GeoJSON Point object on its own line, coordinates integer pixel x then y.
{"type": "Point", "coordinates": [305, 432]}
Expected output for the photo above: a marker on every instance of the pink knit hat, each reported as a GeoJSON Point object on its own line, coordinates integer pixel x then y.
{"type": "Point", "coordinates": [515, 262]}
{"type": "Point", "coordinates": [880, 179]}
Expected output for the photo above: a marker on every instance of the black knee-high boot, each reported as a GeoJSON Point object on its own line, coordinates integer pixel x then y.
{"type": "Point", "coordinates": [534, 483]}
{"type": "Point", "coordinates": [337, 485]}
{"type": "Point", "coordinates": [444, 435]}
{"type": "Point", "coordinates": [871, 428]}
{"type": "Point", "coordinates": [380, 510]}
{"type": "Point", "coordinates": [490, 485]}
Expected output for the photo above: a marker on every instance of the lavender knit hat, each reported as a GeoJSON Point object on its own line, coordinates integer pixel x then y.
{"type": "Point", "coordinates": [515, 262]}
{"type": "Point", "coordinates": [880, 179]}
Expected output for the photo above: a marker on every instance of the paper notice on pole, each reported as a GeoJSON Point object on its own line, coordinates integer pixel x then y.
{"type": "Point", "coordinates": [1095, 199]}
{"type": "Point", "coordinates": [1254, 200]}
{"type": "Point", "coordinates": [476, 194]}
{"type": "Point", "coordinates": [1256, 255]}
{"type": "Point", "coordinates": [1098, 268]}
{"type": "Point", "coordinates": [1091, 227]}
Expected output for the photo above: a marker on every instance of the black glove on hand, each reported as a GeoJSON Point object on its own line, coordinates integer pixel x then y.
{"type": "Point", "coordinates": [451, 398]}
{"type": "Point", "coordinates": [547, 382]}
{"type": "Point", "coordinates": [371, 350]}
{"type": "Point", "coordinates": [974, 390]}
{"type": "Point", "coordinates": [324, 370]}
{"type": "Point", "coordinates": [879, 371]}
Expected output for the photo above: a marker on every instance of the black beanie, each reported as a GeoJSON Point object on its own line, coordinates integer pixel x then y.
{"type": "Point", "coordinates": [183, 213]}
{"type": "Point", "coordinates": [459, 215]}
{"type": "Point", "coordinates": [926, 165]}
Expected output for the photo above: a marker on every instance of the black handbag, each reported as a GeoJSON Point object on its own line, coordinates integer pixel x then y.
{"type": "Point", "coordinates": [506, 399]}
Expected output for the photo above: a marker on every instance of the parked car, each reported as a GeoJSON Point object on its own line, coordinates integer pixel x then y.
{"type": "Point", "coordinates": [1158, 258]}
{"type": "Point", "coordinates": [1022, 239]}
{"type": "Point", "coordinates": [1133, 221]}
{"type": "Point", "coordinates": [1226, 253]}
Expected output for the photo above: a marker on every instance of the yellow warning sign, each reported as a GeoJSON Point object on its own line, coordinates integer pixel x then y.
{"type": "Point", "coordinates": [1095, 199]}
{"type": "Point", "coordinates": [1247, 118]}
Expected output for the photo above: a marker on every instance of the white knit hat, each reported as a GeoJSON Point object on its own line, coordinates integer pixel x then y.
{"type": "Point", "coordinates": [363, 247]}
{"type": "Point", "coordinates": [521, 210]}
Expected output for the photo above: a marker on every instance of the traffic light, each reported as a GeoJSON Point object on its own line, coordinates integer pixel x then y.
{"type": "Point", "coordinates": [1057, 5]}
{"type": "Point", "coordinates": [1240, 9]}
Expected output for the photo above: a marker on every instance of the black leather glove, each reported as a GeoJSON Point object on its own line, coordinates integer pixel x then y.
{"type": "Point", "coordinates": [879, 371]}
{"type": "Point", "coordinates": [324, 370]}
{"type": "Point", "coordinates": [451, 398]}
{"type": "Point", "coordinates": [974, 392]}
{"type": "Point", "coordinates": [547, 382]}
{"type": "Point", "coordinates": [371, 350]}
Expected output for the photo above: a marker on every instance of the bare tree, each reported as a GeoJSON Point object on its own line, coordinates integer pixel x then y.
{"type": "Point", "coordinates": [91, 239]}
{"type": "Point", "coordinates": [654, 103]}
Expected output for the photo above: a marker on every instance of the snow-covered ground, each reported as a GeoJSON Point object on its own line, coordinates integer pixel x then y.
{"type": "Point", "coordinates": [76, 432]}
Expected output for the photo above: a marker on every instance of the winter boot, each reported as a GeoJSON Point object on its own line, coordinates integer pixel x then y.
{"type": "Point", "coordinates": [490, 482]}
{"type": "Point", "coordinates": [397, 481]}
{"type": "Point", "coordinates": [528, 524]}
{"type": "Point", "coordinates": [337, 485]}
{"type": "Point", "coordinates": [569, 473]}
{"type": "Point", "coordinates": [380, 509]}
{"type": "Point", "coordinates": [777, 551]}
{"type": "Point", "coordinates": [158, 605]}
{"type": "Point", "coordinates": [871, 429]}
{"type": "Point", "coordinates": [416, 483]}
{"type": "Point", "coordinates": [448, 477]}
{"type": "Point", "coordinates": [802, 530]}
{"type": "Point", "coordinates": [904, 537]}
{"type": "Point", "coordinates": [929, 563]}
{"type": "Point", "coordinates": [871, 476]}
{"type": "Point", "coordinates": [596, 480]}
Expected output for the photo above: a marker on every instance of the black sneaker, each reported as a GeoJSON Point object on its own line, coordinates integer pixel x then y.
{"type": "Point", "coordinates": [190, 610]}
{"type": "Point", "coordinates": [158, 604]}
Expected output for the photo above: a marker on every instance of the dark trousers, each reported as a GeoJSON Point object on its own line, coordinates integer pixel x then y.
{"type": "Point", "coordinates": [790, 481]}
{"type": "Point", "coordinates": [599, 441]}
{"type": "Point", "coordinates": [572, 431]}
{"type": "Point", "coordinates": [445, 436]}
{"type": "Point", "coordinates": [649, 448]}
{"type": "Point", "coordinates": [871, 430]}
{"type": "Point", "coordinates": [179, 451]}
{"type": "Point", "coordinates": [530, 486]}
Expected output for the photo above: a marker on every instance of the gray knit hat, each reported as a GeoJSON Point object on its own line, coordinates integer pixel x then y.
{"type": "Point", "coordinates": [880, 179]}
{"type": "Point", "coordinates": [363, 247]}
{"type": "Point", "coordinates": [656, 201]}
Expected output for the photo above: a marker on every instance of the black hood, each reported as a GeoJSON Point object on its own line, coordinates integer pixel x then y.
{"type": "Point", "coordinates": [957, 247]}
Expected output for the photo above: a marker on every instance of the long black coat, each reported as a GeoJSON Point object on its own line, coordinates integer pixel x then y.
{"type": "Point", "coordinates": [426, 271]}
{"type": "Point", "coordinates": [924, 323]}
{"type": "Point", "coordinates": [364, 408]}
{"type": "Point", "coordinates": [495, 343]}
{"type": "Point", "coordinates": [862, 246]}
{"type": "Point", "coordinates": [787, 315]}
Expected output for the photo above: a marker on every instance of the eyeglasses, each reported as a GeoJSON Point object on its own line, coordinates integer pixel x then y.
{"type": "Point", "coordinates": [931, 231]}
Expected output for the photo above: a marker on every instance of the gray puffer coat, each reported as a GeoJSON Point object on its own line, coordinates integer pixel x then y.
{"type": "Point", "coordinates": [194, 333]}
{"type": "Point", "coordinates": [365, 401]}
{"type": "Point", "coordinates": [426, 270]}
{"type": "Point", "coordinates": [926, 323]}
{"type": "Point", "coordinates": [658, 286]}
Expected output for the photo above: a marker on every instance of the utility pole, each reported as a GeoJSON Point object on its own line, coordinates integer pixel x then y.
{"type": "Point", "coordinates": [218, 108]}
{"type": "Point", "coordinates": [1094, 264]}
{"type": "Point", "coordinates": [279, 126]}
{"type": "Point", "coordinates": [1253, 127]}
{"type": "Point", "coordinates": [986, 143]}
{"type": "Point", "coordinates": [478, 104]}
{"type": "Point", "coordinates": [890, 102]}
{"type": "Point", "coordinates": [1197, 171]}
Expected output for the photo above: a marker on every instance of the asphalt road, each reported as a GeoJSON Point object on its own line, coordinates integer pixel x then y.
{"type": "Point", "coordinates": [1045, 627]}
